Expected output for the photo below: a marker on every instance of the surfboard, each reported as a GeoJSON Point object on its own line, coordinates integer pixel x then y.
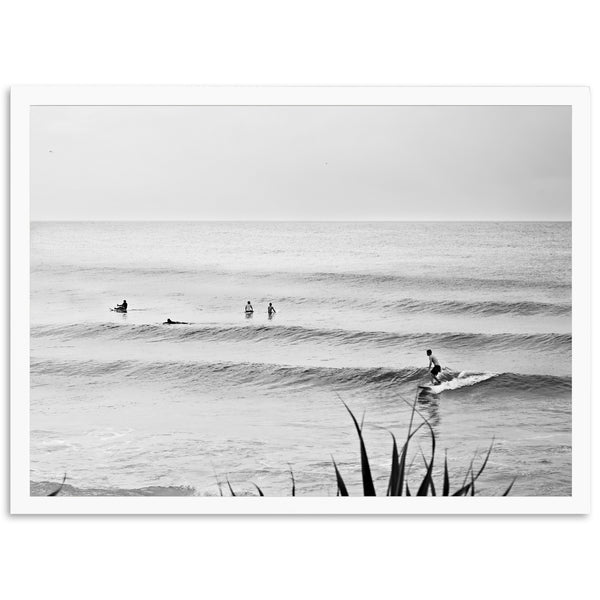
{"type": "Point", "coordinates": [121, 310]}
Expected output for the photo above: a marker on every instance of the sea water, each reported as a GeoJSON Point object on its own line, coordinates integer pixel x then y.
{"type": "Point", "coordinates": [126, 405]}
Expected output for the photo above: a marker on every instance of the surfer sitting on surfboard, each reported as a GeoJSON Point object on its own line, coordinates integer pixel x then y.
{"type": "Point", "coordinates": [436, 367]}
{"type": "Point", "coordinates": [248, 309]}
{"type": "Point", "coordinates": [122, 308]}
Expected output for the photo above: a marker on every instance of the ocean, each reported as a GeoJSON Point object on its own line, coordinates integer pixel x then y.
{"type": "Point", "coordinates": [125, 405]}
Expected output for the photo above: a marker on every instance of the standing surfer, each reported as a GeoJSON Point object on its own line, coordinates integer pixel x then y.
{"type": "Point", "coordinates": [271, 310]}
{"type": "Point", "coordinates": [436, 368]}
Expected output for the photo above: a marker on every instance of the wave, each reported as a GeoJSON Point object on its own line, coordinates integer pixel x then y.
{"type": "Point", "coordinates": [283, 376]}
{"type": "Point", "coordinates": [483, 308]}
{"type": "Point", "coordinates": [451, 281]}
{"type": "Point", "coordinates": [43, 488]}
{"type": "Point", "coordinates": [504, 381]}
{"type": "Point", "coordinates": [295, 334]}
{"type": "Point", "coordinates": [347, 278]}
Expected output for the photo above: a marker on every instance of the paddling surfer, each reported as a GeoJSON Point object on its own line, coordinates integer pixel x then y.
{"type": "Point", "coordinates": [169, 322]}
{"type": "Point", "coordinates": [436, 370]}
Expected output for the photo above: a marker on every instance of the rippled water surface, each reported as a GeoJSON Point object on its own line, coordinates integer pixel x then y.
{"type": "Point", "coordinates": [127, 405]}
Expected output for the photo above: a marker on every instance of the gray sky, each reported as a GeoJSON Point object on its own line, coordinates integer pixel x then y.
{"type": "Point", "coordinates": [301, 163]}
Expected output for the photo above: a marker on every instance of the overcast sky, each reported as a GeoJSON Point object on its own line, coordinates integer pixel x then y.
{"type": "Point", "coordinates": [301, 163]}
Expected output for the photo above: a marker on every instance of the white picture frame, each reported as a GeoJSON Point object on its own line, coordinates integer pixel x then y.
{"type": "Point", "coordinates": [24, 97]}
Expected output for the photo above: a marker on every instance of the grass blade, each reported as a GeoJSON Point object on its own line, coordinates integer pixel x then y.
{"type": "Point", "coordinates": [427, 482]}
{"type": "Point", "coordinates": [218, 482]}
{"type": "Point", "coordinates": [293, 480]}
{"type": "Point", "coordinates": [422, 491]}
{"type": "Point", "coordinates": [230, 488]}
{"type": "Point", "coordinates": [468, 472]}
{"type": "Point", "coordinates": [485, 460]}
{"type": "Point", "coordinates": [342, 491]}
{"type": "Point", "coordinates": [466, 487]}
{"type": "Point", "coordinates": [424, 487]}
{"type": "Point", "coordinates": [401, 470]}
{"type": "Point", "coordinates": [446, 490]}
{"type": "Point", "coordinates": [60, 487]}
{"type": "Point", "coordinates": [368, 487]}
{"type": "Point", "coordinates": [402, 466]}
{"type": "Point", "coordinates": [509, 487]}
{"type": "Point", "coordinates": [463, 491]}
{"type": "Point", "coordinates": [395, 470]}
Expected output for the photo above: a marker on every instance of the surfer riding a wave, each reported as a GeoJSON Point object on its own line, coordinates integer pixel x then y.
{"type": "Point", "coordinates": [434, 372]}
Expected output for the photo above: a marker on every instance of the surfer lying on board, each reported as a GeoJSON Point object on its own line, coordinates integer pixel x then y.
{"type": "Point", "coordinates": [436, 367]}
{"type": "Point", "coordinates": [169, 322]}
{"type": "Point", "coordinates": [248, 309]}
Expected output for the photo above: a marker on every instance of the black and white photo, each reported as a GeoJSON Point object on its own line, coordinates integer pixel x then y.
{"type": "Point", "coordinates": [233, 301]}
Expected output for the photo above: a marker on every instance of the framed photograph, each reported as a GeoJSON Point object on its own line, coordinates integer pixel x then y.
{"type": "Point", "coordinates": [300, 300]}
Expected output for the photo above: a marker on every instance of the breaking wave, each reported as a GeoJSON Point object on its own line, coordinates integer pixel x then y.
{"type": "Point", "coordinates": [273, 375]}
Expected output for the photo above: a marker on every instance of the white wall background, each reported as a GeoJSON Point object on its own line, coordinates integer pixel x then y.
{"type": "Point", "coordinates": [311, 42]}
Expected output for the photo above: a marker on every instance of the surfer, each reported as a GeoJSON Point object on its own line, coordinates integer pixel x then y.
{"type": "Point", "coordinates": [436, 368]}
{"type": "Point", "coordinates": [120, 308]}
{"type": "Point", "coordinates": [169, 322]}
{"type": "Point", "coordinates": [271, 310]}
{"type": "Point", "coordinates": [248, 309]}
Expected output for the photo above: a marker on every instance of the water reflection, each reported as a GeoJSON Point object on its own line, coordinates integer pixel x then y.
{"type": "Point", "coordinates": [428, 406]}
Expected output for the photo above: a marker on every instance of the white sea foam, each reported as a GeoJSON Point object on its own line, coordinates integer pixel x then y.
{"type": "Point", "coordinates": [467, 379]}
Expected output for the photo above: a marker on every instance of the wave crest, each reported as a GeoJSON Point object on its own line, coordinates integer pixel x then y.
{"type": "Point", "coordinates": [283, 376]}
{"type": "Point", "coordinates": [296, 334]}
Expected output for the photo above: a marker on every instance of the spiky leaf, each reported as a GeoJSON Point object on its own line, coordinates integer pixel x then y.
{"type": "Point", "coordinates": [341, 486]}
{"type": "Point", "coordinates": [368, 487]}
{"type": "Point", "coordinates": [509, 487]}
{"type": "Point", "coordinates": [395, 470]}
{"type": "Point", "coordinates": [60, 487]}
{"type": "Point", "coordinates": [446, 489]}
{"type": "Point", "coordinates": [230, 488]}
